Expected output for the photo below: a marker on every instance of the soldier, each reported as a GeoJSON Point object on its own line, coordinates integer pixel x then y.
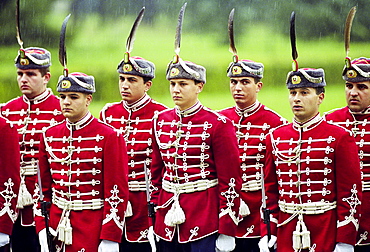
{"type": "Point", "coordinates": [9, 180]}
{"type": "Point", "coordinates": [31, 113]}
{"type": "Point", "coordinates": [133, 118]}
{"type": "Point", "coordinates": [356, 117]}
{"type": "Point", "coordinates": [195, 169]}
{"type": "Point", "coordinates": [312, 180]}
{"type": "Point", "coordinates": [252, 122]}
{"type": "Point", "coordinates": [83, 170]}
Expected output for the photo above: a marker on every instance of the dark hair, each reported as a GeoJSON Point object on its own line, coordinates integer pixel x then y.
{"type": "Point", "coordinates": [319, 90]}
{"type": "Point", "coordinates": [256, 79]}
{"type": "Point", "coordinates": [146, 79]}
{"type": "Point", "coordinates": [44, 71]}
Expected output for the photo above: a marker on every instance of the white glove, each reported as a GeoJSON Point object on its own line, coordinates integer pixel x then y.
{"type": "Point", "coordinates": [4, 239]}
{"type": "Point", "coordinates": [108, 246]}
{"type": "Point", "coordinates": [43, 240]}
{"type": "Point", "coordinates": [225, 243]}
{"type": "Point", "coordinates": [343, 247]}
{"type": "Point", "coordinates": [264, 245]}
{"type": "Point", "coordinates": [151, 239]}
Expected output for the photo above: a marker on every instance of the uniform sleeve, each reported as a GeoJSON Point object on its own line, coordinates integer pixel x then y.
{"type": "Point", "coordinates": [349, 190]}
{"type": "Point", "coordinates": [226, 156]}
{"type": "Point", "coordinates": [156, 168]}
{"type": "Point", "coordinates": [271, 190]}
{"type": "Point", "coordinates": [46, 183]}
{"type": "Point", "coordinates": [115, 179]}
{"type": "Point", "coordinates": [9, 177]}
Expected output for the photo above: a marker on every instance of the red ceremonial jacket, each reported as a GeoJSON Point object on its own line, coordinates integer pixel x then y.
{"type": "Point", "coordinates": [83, 170]}
{"type": "Point", "coordinates": [134, 122]}
{"type": "Point", "coordinates": [9, 176]}
{"type": "Point", "coordinates": [195, 173]}
{"type": "Point", "coordinates": [359, 124]}
{"type": "Point", "coordinates": [252, 125]}
{"type": "Point", "coordinates": [31, 117]}
{"type": "Point", "coordinates": [313, 186]}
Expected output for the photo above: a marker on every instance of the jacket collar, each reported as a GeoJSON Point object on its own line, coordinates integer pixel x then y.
{"type": "Point", "coordinates": [83, 122]}
{"type": "Point", "coordinates": [137, 105]}
{"type": "Point", "coordinates": [308, 125]}
{"type": "Point", "coordinates": [248, 110]}
{"type": "Point", "coordinates": [189, 111]}
{"type": "Point", "coordinates": [40, 98]}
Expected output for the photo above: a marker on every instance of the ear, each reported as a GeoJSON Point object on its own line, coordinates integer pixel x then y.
{"type": "Point", "coordinates": [89, 99]}
{"type": "Point", "coordinates": [200, 87]}
{"type": "Point", "coordinates": [259, 86]}
{"type": "Point", "coordinates": [148, 85]}
{"type": "Point", "coordinates": [47, 77]}
{"type": "Point", "coordinates": [321, 98]}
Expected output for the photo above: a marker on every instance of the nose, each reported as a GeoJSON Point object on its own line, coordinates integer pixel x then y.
{"type": "Point", "coordinates": [23, 78]}
{"type": "Point", "coordinates": [296, 98]}
{"type": "Point", "coordinates": [124, 84]}
{"type": "Point", "coordinates": [66, 101]}
{"type": "Point", "coordinates": [238, 86]}
{"type": "Point", "coordinates": [353, 92]}
{"type": "Point", "coordinates": [176, 88]}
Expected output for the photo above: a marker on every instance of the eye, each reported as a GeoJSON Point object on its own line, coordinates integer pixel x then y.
{"type": "Point", "coordinates": [121, 78]}
{"type": "Point", "coordinates": [349, 86]}
{"type": "Point", "coordinates": [362, 87]}
{"type": "Point", "coordinates": [233, 82]}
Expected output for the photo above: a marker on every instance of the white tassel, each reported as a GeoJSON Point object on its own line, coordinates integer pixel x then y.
{"type": "Point", "coordinates": [301, 239]}
{"type": "Point", "coordinates": [306, 240]}
{"type": "Point", "coordinates": [61, 229]}
{"type": "Point", "coordinates": [24, 197]}
{"type": "Point", "coordinates": [175, 215]}
{"type": "Point", "coordinates": [296, 240]}
{"type": "Point", "coordinates": [128, 212]}
{"type": "Point", "coordinates": [68, 232]}
{"type": "Point", "coordinates": [244, 209]}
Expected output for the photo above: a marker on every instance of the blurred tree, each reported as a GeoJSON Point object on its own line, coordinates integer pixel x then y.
{"type": "Point", "coordinates": [315, 18]}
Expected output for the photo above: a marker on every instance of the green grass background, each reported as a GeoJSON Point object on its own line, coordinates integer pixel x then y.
{"type": "Point", "coordinates": [96, 48]}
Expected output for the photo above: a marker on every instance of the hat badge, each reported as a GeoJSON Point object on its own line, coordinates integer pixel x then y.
{"type": "Point", "coordinates": [296, 79]}
{"type": "Point", "coordinates": [351, 74]}
{"type": "Point", "coordinates": [237, 70]}
{"type": "Point", "coordinates": [66, 84]}
{"type": "Point", "coordinates": [127, 68]}
{"type": "Point", "coordinates": [174, 72]}
{"type": "Point", "coordinates": [24, 62]}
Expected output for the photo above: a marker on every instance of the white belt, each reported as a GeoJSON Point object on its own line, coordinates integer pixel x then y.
{"type": "Point", "coordinates": [189, 187]}
{"type": "Point", "coordinates": [307, 208]}
{"type": "Point", "coordinates": [252, 185]}
{"type": "Point", "coordinates": [365, 185]}
{"type": "Point", "coordinates": [137, 186]}
{"type": "Point", "coordinates": [77, 205]}
{"type": "Point", "coordinates": [29, 170]}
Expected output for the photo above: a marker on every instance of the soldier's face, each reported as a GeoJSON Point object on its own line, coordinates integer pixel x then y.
{"type": "Point", "coordinates": [185, 92]}
{"type": "Point", "coordinates": [31, 83]}
{"type": "Point", "coordinates": [74, 105]}
{"type": "Point", "coordinates": [244, 90]}
{"type": "Point", "coordinates": [358, 95]}
{"type": "Point", "coordinates": [304, 103]}
{"type": "Point", "coordinates": [132, 87]}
